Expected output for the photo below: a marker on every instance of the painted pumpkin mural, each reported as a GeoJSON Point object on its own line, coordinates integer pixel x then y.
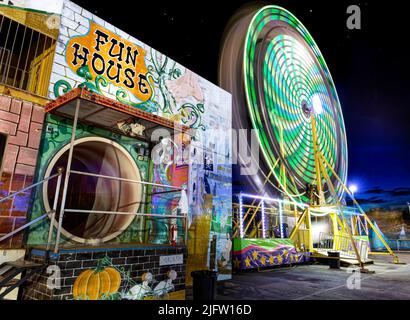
{"type": "Point", "coordinates": [96, 284]}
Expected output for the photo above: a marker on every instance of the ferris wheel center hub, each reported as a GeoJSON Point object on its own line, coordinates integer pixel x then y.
{"type": "Point", "coordinates": [307, 111]}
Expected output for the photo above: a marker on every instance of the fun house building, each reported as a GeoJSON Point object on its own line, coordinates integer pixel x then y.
{"type": "Point", "coordinates": [113, 154]}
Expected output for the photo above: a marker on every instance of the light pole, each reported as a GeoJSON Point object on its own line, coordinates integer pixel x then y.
{"type": "Point", "coordinates": [353, 189]}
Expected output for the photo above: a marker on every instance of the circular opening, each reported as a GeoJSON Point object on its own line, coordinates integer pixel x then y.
{"type": "Point", "coordinates": [306, 109]}
{"type": "Point", "coordinates": [99, 156]}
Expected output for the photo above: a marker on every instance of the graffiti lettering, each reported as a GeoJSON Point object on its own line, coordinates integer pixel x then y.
{"type": "Point", "coordinates": [119, 61]}
{"type": "Point", "coordinates": [77, 55]}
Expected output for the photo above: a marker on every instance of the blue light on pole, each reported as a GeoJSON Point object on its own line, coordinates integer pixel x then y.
{"type": "Point", "coordinates": [240, 217]}
{"type": "Point", "coordinates": [263, 219]}
{"type": "Point", "coordinates": [282, 235]}
{"type": "Point", "coordinates": [353, 189]}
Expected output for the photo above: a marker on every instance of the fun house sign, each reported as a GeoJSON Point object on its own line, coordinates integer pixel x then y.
{"type": "Point", "coordinates": [107, 55]}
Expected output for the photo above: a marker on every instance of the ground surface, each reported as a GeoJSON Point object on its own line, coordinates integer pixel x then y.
{"type": "Point", "coordinates": [318, 282]}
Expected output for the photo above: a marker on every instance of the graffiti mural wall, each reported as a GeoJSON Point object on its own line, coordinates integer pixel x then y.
{"type": "Point", "coordinates": [91, 142]}
{"type": "Point", "coordinates": [93, 54]}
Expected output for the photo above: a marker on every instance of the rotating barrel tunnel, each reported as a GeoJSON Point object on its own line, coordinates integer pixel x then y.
{"type": "Point", "coordinates": [101, 156]}
{"type": "Point", "coordinates": [105, 165]}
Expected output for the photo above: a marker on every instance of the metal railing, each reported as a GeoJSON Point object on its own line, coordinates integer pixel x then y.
{"type": "Point", "coordinates": [401, 247]}
{"type": "Point", "coordinates": [50, 214]}
{"type": "Point", "coordinates": [264, 217]}
{"type": "Point", "coordinates": [26, 57]}
{"type": "Point", "coordinates": [95, 175]}
{"type": "Point", "coordinates": [64, 210]}
{"type": "Point", "coordinates": [342, 243]}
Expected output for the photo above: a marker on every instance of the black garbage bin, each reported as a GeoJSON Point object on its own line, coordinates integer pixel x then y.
{"type": "Point", "coordinates": [204, 285]}
{"type": "Point", "coordinates": [334, 259]}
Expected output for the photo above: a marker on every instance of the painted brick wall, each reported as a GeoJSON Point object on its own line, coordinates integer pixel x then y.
{"type": "Point", "coordinates": [75, 21]}
{"type": "Point", "coordinates": [137, 261]}
{"type": "Point", "coordinates": [212, 124]}
{"type": "Point", "coordinates": [22, 122]}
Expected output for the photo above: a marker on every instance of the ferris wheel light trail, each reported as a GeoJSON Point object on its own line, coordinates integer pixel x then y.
{"type": "Point", "coordinates": [286, 82]}
{"type": "Point", "coordinates": [283, 90]}
{"type": "Point", "coordinates": [268, 199]}
{"type": "Point", "coordinates": [279, 79]}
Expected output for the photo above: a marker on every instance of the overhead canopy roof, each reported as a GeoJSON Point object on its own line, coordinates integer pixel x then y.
{"type": "Point", "coordinates": [103, 112]}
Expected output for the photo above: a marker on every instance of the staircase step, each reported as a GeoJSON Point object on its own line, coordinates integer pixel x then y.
{"type": "Point", "coordinates": [23, 264]}
{"type": "Point", "coordinates": [9, 283]}
{"type": "Point", "coordinates": [4, 269]}
{"type": "Point", "coordinates": [11, 269]}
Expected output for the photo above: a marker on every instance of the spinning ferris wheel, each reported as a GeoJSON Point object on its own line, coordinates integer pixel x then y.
{"type": "Point", "coordinates": [285, 85]}
{"type": "Point", "coordinates": [283, 92]}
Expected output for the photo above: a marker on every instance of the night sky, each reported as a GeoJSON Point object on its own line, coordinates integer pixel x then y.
{"type": "Point", "coordinates": [370, 68]}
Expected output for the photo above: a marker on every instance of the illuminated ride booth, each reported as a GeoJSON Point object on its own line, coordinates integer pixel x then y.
{"type": "Point", "coordinates": [289, 203]}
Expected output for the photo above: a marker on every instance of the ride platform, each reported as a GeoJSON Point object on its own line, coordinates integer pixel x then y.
{"type": "Point", "coordinates": [265, 253]}
{"type": "Point", "coordinates": [345, 259]}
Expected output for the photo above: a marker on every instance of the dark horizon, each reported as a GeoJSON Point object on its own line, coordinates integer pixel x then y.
{"type": "Point", "coordinates": [369, 67]}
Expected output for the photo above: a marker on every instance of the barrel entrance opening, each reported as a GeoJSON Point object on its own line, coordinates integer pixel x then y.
{"type": "Point", "coordinates": [103, 157]}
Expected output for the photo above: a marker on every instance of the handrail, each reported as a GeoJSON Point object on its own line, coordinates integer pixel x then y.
{"type": "Point", "coordinates": [124, 180]}
{"type": "Point", "coordinates": [29, 187]}
{"type": "Point", "coordinates": [52, 213]}
{"type": "Point", "coordinates": [126, 213]}
{"type": "Point", "coordinates": [22, 227]}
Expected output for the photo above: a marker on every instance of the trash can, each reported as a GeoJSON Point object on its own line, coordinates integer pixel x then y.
{"type": "Point", "coordinates": [334, 259]}
{"type": "Point", "coordinates": [204, 285]}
